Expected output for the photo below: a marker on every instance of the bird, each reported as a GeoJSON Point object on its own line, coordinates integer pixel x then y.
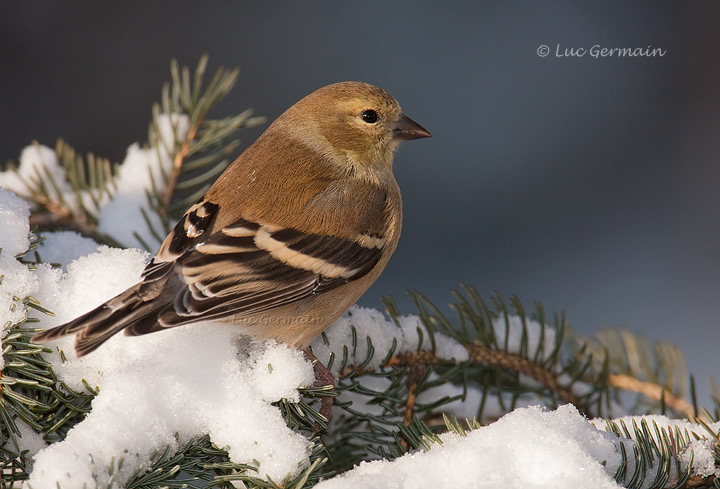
{"type": "Point", "coordinates": [290, 236]}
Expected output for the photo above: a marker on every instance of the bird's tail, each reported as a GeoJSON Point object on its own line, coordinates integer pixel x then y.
{"type": "Point", "coordinates": [97, 326]}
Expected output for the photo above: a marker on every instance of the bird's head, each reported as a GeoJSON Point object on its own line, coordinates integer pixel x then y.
{"type": "Point", "coordinates": [359, 121]}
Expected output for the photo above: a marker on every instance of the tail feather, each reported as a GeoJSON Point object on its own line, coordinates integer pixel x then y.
{"type": "Point", "coordinates": [86, 343]}
{"type": "Point", "coordinates": [149, 323]}
{"type": "Point", "coordinates": [97, 326]}
{"type": "Point", "coordinates": [77, 324]}
{"type": "Point", "coordinates": [97, 315]}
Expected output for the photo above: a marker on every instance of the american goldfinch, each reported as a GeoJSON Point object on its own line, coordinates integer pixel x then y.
{"type": "Point", "coordinates": [287, 239]}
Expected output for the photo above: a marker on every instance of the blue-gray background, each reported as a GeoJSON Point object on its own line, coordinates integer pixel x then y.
{"type": "Point", "coordinates": [588, 184]}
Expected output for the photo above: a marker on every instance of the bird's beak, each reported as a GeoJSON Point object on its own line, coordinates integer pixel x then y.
{"type": "Point", "coordinates": [407, 129]}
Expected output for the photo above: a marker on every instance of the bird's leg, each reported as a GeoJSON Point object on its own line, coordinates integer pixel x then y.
{"type": "Point", "coordinates": [323, 377]}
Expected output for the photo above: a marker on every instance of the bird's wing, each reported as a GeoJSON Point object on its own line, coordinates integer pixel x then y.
{"type": "Point", "coordinates": [246, 268]}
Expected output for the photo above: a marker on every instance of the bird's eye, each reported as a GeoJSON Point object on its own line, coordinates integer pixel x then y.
{"type": "Point", "coordinates": [370, 116]}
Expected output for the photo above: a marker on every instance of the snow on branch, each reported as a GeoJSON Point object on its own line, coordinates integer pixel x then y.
{"type": "Point", "coordinates": [136, 202]}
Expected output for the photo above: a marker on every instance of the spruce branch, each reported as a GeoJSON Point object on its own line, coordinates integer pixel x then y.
{"type": "Point", "coordinates": [199, 155]}
{"type": "Point", "coordinates": [71, 193]}
{"type": "Point", "coordinates": [481, 354]}
{"type": "Point", "coordinates": [656, 372]}
{"type": "Point", "coordinates": [656, 456]}
{"type": "Point", "coordinates": [481, 326]}
{"type": "Point", "coordinates": [653, 456]}
{"type": "Point", "coordinates": [68, 194]}
{"type": "Point", "coordinates": [508, 359]}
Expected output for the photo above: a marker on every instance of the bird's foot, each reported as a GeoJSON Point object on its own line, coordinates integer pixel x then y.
{"type": "Point", "coordinates": [323, 378]}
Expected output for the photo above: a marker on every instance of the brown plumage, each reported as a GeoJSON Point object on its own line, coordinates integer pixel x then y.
{"type": "Point", "coordinates": [290, 235]}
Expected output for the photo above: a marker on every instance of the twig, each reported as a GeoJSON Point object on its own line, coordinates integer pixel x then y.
{"type": "Point", "coordinates": [484, 354]}
{"type": "Point", "coordinates": [57, 216]}
{"type": "Point", "coordinates": [416, 373]}
{"type": "Point", "coordinates": [653, 391]}
{"type": "Point", "coordinates": [177, 165]}
{"type": "Point", "coordinates": [518, 363]}
{"type": "Point", "coordinates": [75, 223]}
{"type": "Point", "coordinates": [700, 481]}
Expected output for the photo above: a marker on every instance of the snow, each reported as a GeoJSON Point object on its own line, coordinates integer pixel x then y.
{"type": "Point", "coordinates": [39, 163]}
{"type": "Point", "coordinates": [514, 332]}
{"type": "Point", "coordinates": [189, 380]}
{"type": "Point", "coordinates": [701, 450]}
{"type": "Point", "coordinates": [142, 168]}
{"type": "Point", "coordinates": [35, 161]}
{"type": "Point", "coordinates": [370, 323]}
{"type": "Point", "coordinates": [211, 383]}
{"type": "Point", "coordinates": [141, 172]}
{"type": "Point", "coordinates": [15, 281]}
{"type": "Point", "coordinates": [62, 247]}
{"type": "Point", "coordinates": [202, 379]}
{"type": "Point", "coordinates": [529, 447]}
{"type": "Point", "coordinates": [28, 441]}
